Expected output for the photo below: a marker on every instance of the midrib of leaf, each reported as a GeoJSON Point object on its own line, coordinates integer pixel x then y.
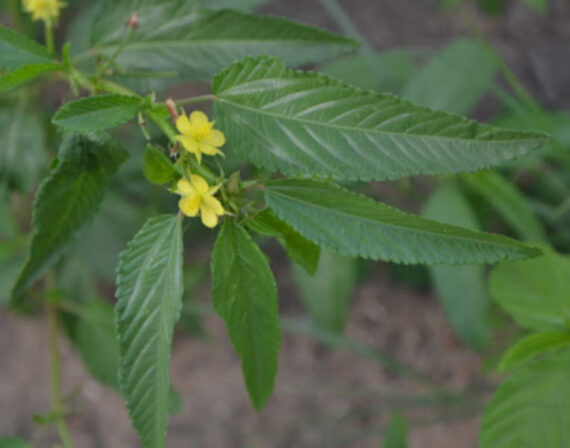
{"type": "Point", "coordinates": [366, 130]}
{"type": "Point", "coordinates": [393, 226]}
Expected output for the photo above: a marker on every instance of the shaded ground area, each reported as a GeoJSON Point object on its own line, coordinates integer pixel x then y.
{"type": "Point", "coordinates": [323, 398]}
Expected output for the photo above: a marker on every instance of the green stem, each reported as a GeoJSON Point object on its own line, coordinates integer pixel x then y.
{"type": "Point", "coordinates": [15, 12]}
{"type": "Point", "coordinates": [196, 99]}
{"type": "Point", "coordinates": [50, 45]}
{"type": "Point", "coordinates": [55, 360]}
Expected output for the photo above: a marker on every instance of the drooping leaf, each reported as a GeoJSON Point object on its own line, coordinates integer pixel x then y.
{"type": "Point", "coordinates": [198, 43]}
{"type": "Point", "coordinates": [462, 290]}
{"type": "Point", "coordinates": [532, 407]}
{"type": "Point", "coordinates": [456, 79]}
{"type": "Point", "coordinates": [67, 200]}
{"type": "Point", "coordinates": [17, 50]}
{"type": "Point", "coordinates": [396, 434]}
{"type": "Point", "coordinates": [245, 296]}
{"type": "Point", "coordinates": [354, 225]}
{"type": "Point", "coordinates": [536, 293]}
{"type": "Point", "coordinates": [327, 293]}
{"type": "Point", "coordinates": [98, 112]}
{"type": "Point", "coordinates": [307, 124]}
{"type": "Point", "coordinates": [507, 200]}
{"type": "Point", "coordinates": [149, 294]}
{"type": "Point", "coordinates": [532, 346]}
{"type": "Point", "coordinates": [388, 72]}
{"type": "Point", "coordinates": [158, 169]}
{"type": "Point", "coordinates": [24, 74]}
{"type": "Point", "coordinates": [23, 155]}
{"type": "Point", "coordinates": [300, 250]}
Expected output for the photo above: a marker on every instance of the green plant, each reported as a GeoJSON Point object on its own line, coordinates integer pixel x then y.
{"type": "Point", "coordinates": [303, 133]}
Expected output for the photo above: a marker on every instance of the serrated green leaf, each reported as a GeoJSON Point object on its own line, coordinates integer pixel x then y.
{"type": "Point", "coordinates": [307, 124]}
{"type": "Point", "coordinates": [536, 293]}
{"type": "Point", "coordinates": [456, 79]}
{"type": "Point", "coordinates": [395, 67]}
{"type": "Point", "coordinates": [158, 169]}
{"type": "Point", "coordinates": [532, 346]}
{"type": "Point", "coordinates": [354, 225]}
{"type": "Point", "coordinates": [509, 202]}
{"type": "Point", "coordinates": [462, 290]}
{"type": "Point", "coordinates": [245, 296]}
{"type": "Point", "coordinates": [24, 74]}
{"type": "Point", "coordinates": [149, 294]}
{"type": "Point", "coordinates": [13, 442]}
{"type": "Point", "coordinates": [532, 407]}
{"type": "Point", "coordinates": [23, 156]}
{"type": "Point", "coordinates": [396, 434]}
{"type": "Point", "coordinates": [17, 50]}
{"type": "Point", "coordinates": [198, 43]}
{"type": "Point", "coordinates": [300, 250]}
{"type": "Point", "coordinates": [98, 112]}
{"type": "Point", "coordinates": [67, 200]}
{"type": "Point", "coordinates": [327, 293]}
{"type": "Point", "coordinates": [96, 341]}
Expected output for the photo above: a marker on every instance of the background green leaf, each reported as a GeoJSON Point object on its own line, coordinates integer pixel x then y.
{"type": "Point", "coordinates": [300, 250]}
{"type": "Point", "coordinates": [13, 442]}
{"type": "Point", "coordinates": [396, 434]}
{"type": "Point", "coordinates": [149, 299]}
{"type": "Point", "coordinates": [531, 346]}
{"type": "Point", "coordinates": [158, 168]}
{"type": "Point", "coordinates": [98, 112]}
{"type": "Point", "coordinates": [354, 225]}
{"type": "Point", "coordinates": [208, 41]}
{"type": "Point", "coordinates": [327, 293]}
{"type": "Point", "coordinates": [67, 200]}
{"type": "Point", "coordinates": [536, 293]}
{"type": "Point", "coordinates": [245, 296]}
{"type": "Point", "coordinates": [24, 74]}
{"type": "Point", "coordinates": [243, 5]}
{"type": "Point", "coordinates": [532, 407]}
{"type": "Point", "coordinates": [507, 200]}
{"type": "Point", "coordinates": [538, 5]}
{"type": "Point", "coordinates": [462, 290]}
{"type": "Point", "coordinates": [456, 79]}
{"type": "Point", "coordinates": [307, 124]}
{"type": "Point", "coordinates": [17, 50]}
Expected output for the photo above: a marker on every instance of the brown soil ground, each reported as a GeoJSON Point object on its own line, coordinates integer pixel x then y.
{"type": "Point", "coordinates": [323, 397]}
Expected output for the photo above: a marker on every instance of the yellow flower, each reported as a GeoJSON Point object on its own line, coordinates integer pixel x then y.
{"type": "Point", "coordinates": [198, 135]}
{"type": "Point", "coordinates": [198, 197]}
{"type": "Point", "coordinates": [46, 10]}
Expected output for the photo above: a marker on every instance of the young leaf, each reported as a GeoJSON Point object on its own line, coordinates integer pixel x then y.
{"type": "Point", "coordinates": [149, 294]}
{"type": "Point", "coordinates": [96, 341]}
{"type": "Point", "coordinates": [98, 112]}
{"type": "Point", "coordinates": [354, 225]}
{"type": "Point", "coordinates": [531, 346]}
{"type": "Point", "coordinates": [307, 124]}
{"type": "Point", "coordinates": [456, 79]}
{"type": "Point", "coordinates": [158, 169]}
{"type": "Point", "coordinates": [327, 293]}
{"type": "Point", "coordinates": [23, 155]}
{"type": "Point", "coordinates": [530, 409]}
{"type": "Point", "coordinates": [396, 434]}
{"type": "Point", "coordinates": [509, 202]}
{"type": "Point", "coordinates": [22, 75]}
{"type": "Point", "coordinates": [536, 293]}
{"type": "Point", "coordinates": [245, 296]}
{"type": "Point", "coordinates": [462, 290]}
{"type": "Point", "coordinates": [17, 50]}
{"type": "Point", "coordinates": [67, 200]}
{"type": "Point", "coordinates": [300, 250]}
{"type": "Point", "coordinates": [198, 43]}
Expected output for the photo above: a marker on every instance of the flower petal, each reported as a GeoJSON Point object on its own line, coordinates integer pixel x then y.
{"type": "Point", "coordinates": [199, 184]}
{"type": "Point", "coordinates": [207, 149]}
{"type": "Point", "coordinates": [198, 117]}
{"type": "Point", "coordinates": [183, 125]}
{"type": "Point", "coordinates": [190, 205]}
{"type": "Point", "coordinates": [185, 188]}
{"type": "Point", "coordinates": [215, 138]}
{"type": "Point", "coordinates": [211, 204]}
{"type": "Point", "coordinates": [209, 218]}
